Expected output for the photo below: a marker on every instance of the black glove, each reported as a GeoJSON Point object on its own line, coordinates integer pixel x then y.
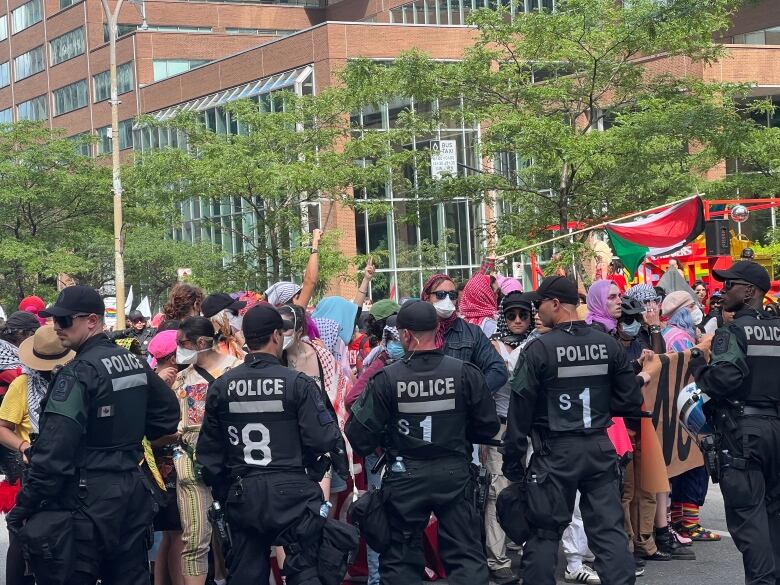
{"type": "Point", "coordinates": [16, 518]}
{"type": "Point", "coordinates": [318, 468]}
{"type": "Point", "coordinates": [513, 471]}
{"type": "Point", "coordinates": [697, 362]}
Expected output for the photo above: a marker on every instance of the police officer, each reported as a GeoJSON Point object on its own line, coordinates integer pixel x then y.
{"type": "Point", "coordinates": [264, 424]}
{"type": "Point", "coordinates": [742, 383]}
{"type": "Point", "coordinates": [426, 410]}
{"type": "Point", "coordinates": [85, 489]}
{"type": "Point", "coordinates": [567, 385]}
{"type": "Point", "coordinates": [138, 330]}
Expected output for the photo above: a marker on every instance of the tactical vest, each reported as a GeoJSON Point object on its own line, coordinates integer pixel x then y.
{"type": "Point", "coordinates": [117, 409]}
{"type": "Point", "coordinates": [259, 419]}
{"type": "Point", "coordinates": [763, 349]}
{"type": "Point", "coordinates": [430, 415]}
{"type": "Point", "coordinates": [577, 387]}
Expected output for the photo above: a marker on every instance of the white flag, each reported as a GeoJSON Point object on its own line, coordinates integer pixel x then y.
{"type": "Point", "coordinates": [145, 308]}
{"type": "Point", "coordinates": [129, 300]}
{"type": "Point", "coordinates": [2, 314]}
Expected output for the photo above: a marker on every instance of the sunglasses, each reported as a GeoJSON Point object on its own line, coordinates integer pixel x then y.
{"type": "Point", "coordinates": [539, 303]}
{"type": "Point", "coordinates": [512, 315]}
{"type": "Point", "coordinates": [729, 284]}
{"type": "Point", "coordinates": [66, 321]}
{"type": "Point", "coordinates": [443, 294]}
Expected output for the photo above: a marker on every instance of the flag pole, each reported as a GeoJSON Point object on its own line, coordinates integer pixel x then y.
{"type": "Point", "coordinates": [597, 226]}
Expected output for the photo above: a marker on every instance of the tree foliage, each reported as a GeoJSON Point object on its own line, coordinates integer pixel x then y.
{"type": "Point", "coordinates": [583, 98]}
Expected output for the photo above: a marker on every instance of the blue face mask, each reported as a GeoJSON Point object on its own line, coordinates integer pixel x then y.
{"type": "Point", "coordinates": [395, 350]}
{"type": "Point", "coordinates": [631, 330]}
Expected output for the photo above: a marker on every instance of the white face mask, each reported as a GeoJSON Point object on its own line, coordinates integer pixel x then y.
{"type": "Point", "coordinates": [444, 308]}
{"type": "Point", "coordinates": [288, 341]}
{"type": "Point", "coordinates": [236, 321]}
{"type": "Point", "coordinates": [186, 356]}
{"type": "Point", "coordinates": [697, 316]}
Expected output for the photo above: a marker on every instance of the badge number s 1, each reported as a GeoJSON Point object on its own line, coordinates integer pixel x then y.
{"type": "Point", "coordinates": [565, 402]}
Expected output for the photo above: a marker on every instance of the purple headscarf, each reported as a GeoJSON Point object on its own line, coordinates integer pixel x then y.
{"type": "Point", "coordinates": [597, 305]}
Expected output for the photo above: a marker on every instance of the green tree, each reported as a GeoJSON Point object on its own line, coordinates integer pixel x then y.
{"type": "Point", "coordinates": [286, 156]}
{"type": "Point", "coordinates": [579, 121]}
{"type": "Point", "coordinates": [55, 212]}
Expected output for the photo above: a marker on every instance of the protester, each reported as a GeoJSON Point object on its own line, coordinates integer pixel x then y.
{"type": "Point", "coordinates": [478, 305]}
{"type": "Point", "coordinates": [167, 565]}
{"type": "Point", "coordinates": [714, 318]}
{"type": "Point", "coordinates": [603, 300]}
{"type": "Point", "coordinates": [650, 333]}
{"type": "Point", "coordinates": [196, 347]}
{"type": "Point", "coordinates": [137, 330]}
{"type": "Point", "coordinates": [701, 292]}
{"type": "Point", "coordinates": [33, 304]}
{"type": "Point", "coordinates": [514, 321]}
{"type": "Point", "coordinates": [681, 312]}
{"type": "Point", "coordinates": [20, 412]}
{"type": "Point", "coordinates": [184, 301]}
{"type": "Point", "coordinates": [224, 313]}
{"type": "Point", "coordinates": [459, 339]}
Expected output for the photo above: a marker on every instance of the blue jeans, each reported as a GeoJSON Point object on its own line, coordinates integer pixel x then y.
{"type": "Point", "coordinates": [374, 483]}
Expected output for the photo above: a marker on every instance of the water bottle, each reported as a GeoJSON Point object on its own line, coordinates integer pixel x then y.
{"type": "Point", "coordinates": [325, 509]}
{"type": "Point", "coordinates": [398, 465]}
{"type": "Point", "coordinates": [177, 452]}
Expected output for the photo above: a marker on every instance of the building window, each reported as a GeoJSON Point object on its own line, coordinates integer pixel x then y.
{"type": "Point", "coordinates": [125, 137]}
{"type": "Point", "coordinates": [5, 74]}
{"type": "Point", "coordinates": [767, 36]}
{"type": "Point", "coordinates": [454, 12]}
{"type": "Point", "coordinates": [29, 63]}
{"type": "Point", "coordinates": [124, 82]}
{"type": "Point", "coordinates": [66, 3]}
{"type": "Point", "coordinates": [27, 15]}
{"type": "Point", "coordinates": [167, 67]}
{"type": "Point", "coordinates": [6, 116]}
{"type": "Point", "coordinates": [82, 145]}
{"type": "Point", "coordinates": [121, 30]}
{"type": "Point", "coordinates": [71, 97]}
{"type": "Point", "coordinates": [179, 28]}
{"type": "Point", "coordinates": [69, 45]}
{"type": "Point", "coordinates": [34, 109]}
{"type": "Point", "coordinates": [3, 27]}
{"type": "Point", "coordinates": [266, 32]}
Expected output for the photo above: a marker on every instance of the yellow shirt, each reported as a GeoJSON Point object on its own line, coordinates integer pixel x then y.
{"type": "Point", "coordinates": [14, 408]}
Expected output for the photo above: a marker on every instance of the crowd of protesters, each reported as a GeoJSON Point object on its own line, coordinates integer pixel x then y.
{"type": "Point", "coordinates": [340, 343]}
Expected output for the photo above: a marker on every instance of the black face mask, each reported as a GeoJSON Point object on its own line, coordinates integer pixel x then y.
{"type": "Point", "coordinates": [181, 367]}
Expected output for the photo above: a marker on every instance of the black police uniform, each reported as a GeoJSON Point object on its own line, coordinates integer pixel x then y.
{"type": "Point", "coordinates": [143, 337]}
{"type": "Point", "coordinates": [86, 461]}
{"type": "Point", "coordinates": [743, 384]}
{"type": "Point", "coordinates": [428, 409]}
{"type": "Point", "coordinates": [567, 385]}
{"type": "Point", "coordinates": [264, 424]}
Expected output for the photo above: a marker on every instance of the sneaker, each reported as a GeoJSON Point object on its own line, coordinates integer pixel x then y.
{"type": "Point", "coordinates": [582, 575]}
{"type": "Point", "coordinates": [504, 576]}
{"type": "Point", "coordinates": [658, 556]}
{"type": "Point", "coordinates": [682, 538]}
{"type": "Point", "coordinates": [667, 543]}
{"type": "Point", "coordinates": [639, 571]}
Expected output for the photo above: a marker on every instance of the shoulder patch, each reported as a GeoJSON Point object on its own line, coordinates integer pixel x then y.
{"type": "Point", "coordinates": [62, 387]}
{"type": "Point", "coordinates": [720, 343]}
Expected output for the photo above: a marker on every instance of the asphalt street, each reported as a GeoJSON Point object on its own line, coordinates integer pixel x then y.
{"type": "Point", "coordinates": [717, 563]}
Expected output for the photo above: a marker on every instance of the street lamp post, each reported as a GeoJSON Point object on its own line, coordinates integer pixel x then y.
{"type": "Point", "coordinates": [112, 17]}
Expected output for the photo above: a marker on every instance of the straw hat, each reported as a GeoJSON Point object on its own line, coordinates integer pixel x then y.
{"type": "Point", "coordinates": [44, 351]}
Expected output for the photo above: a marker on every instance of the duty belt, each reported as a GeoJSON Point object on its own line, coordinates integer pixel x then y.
{"type": "Point", "coordinates": [748, 410]}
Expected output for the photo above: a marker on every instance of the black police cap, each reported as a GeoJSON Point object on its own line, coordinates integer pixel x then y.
{"type": "Point", "coordinates": [417, 316]}
{"type": "Point", "coordinates": [748, 271]}
{"type": "Point", "coordinates": [262, 320]}
{"type": "Point", "coordinates": [556, 287]}
{"type": "Point", "coordinates": [74, 300]}
{"type": "Point", "coordinates": [214, 303]}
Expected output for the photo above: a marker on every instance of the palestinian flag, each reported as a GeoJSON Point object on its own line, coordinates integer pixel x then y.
{"type": "Point", "coordinates": [658, 234]}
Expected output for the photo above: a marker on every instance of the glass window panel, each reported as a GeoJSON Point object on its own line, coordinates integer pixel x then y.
{"type": "Point", "coordinates": [755, 38]}
{"type": "Point", "coordinates": [3, 27]}
{"type": "Point", "coordinates": [167, 67]}
{"type": "Point", "coordinates": [27, 15]}
{"type": "Point", "coordinates": [67, 46]}
{"type": "Point", "coordinates": [6, 116]}
{"type": "Point", "coordinates": [66, 3]}
{"type": "Point", "coordinates": [34, 109]}
{"type": "Point", "coordinates": [29, 63]}
{"type": "Point", "coordinates": [82, 146]}
{"type": "Point", "coordinates": [71, 97]}
{"type": "Point", "coordinates": [121, 30]}
{"type": "Point", "coordinates": [457, 232]}
{"type": "Point", "coordinates": [5, 74]}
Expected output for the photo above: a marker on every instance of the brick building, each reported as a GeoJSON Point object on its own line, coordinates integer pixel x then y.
{"type": "Point", "coordinates": [200, 55]}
